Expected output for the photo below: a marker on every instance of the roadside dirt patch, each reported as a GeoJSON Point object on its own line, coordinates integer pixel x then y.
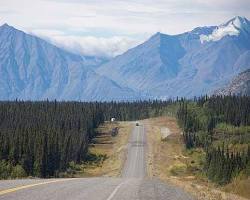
{"type": "Point", "coordinates": [162, 154]}
{"type": "Point", "coordinates": [113, 148]}
{"type": "Point", "coordinates": [170, 162]}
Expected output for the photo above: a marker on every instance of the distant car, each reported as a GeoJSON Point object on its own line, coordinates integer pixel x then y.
{"type": "Point", "coordinates": [137, 123]}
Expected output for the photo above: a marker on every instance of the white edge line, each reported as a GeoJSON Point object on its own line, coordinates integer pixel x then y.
{"type": "Point", "coordinates": [115, 191]}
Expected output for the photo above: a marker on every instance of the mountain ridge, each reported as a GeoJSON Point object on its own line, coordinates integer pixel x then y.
{"type": "Point", "coordinates": [165, 66]}
{"type": "Point", "coordinates": [33, 69]}
{"type": "Point", "coordinates": [202, 67]}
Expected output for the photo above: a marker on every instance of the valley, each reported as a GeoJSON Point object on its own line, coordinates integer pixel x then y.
{"type": "Point", "coordinates": [124, 100]}
{"type": "Point", "coordinates": [131, 184]}
{"type": "Point", "coordinates": [164, 66]}
{"type": "Point", "coordinates": [206, 146]}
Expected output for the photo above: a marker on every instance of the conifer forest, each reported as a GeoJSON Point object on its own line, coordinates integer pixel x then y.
{"type": "Point", "coordinates": [40, 139]}
{"type": "Point", "coordinates": [221, 127]}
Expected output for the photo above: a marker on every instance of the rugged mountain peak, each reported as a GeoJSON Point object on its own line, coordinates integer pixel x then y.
{"type": "Point", "coordinates": [7, 27]}
{"type": "Point", "coordinates": [237, 22]}
{"type": "Point", "coordinates": [156, 37]}
{"type": "Point", "coordinates": [202, 30]}
{"type": "Point", "coordinates": [158, 34]}
{"type": "Point", "coordinates": [158, 40]}
{"type": "Point", "coordinates": [233, 27]}
{"type": "Point", "coordinates": [164, 66]}
{"type": "Point", "coordinates": [180, 65]}
{"type": "Point", "coordinates": [33, 69]}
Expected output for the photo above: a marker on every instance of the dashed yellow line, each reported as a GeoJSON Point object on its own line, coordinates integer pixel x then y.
{"type": "Point", "coordinates": [2, 192]}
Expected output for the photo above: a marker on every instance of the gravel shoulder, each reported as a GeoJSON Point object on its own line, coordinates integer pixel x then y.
{"type": "Point", "coordinates": [167, 161]}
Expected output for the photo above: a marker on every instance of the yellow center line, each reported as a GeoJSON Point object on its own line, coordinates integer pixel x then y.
{"type": "Point", "coordinates": [2, 192]}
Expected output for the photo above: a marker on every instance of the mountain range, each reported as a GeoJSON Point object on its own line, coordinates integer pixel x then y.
{"type": "Point", "coordinates": [33, 69]}
{"type": "Point", "coordinates": [189, 64]}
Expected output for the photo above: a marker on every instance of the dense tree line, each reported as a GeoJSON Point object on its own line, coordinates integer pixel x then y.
{"type": "Point", "coordinates": [222, 165]}
{"type": "Point", "coordinates": [205, 113]}
{"type": "Point", "coordinates": [124, 111]}
{"type": "Point", "coordinates": [200, 118]}
{"type": "Point", "coordinates": [233, 110]}
{"type": "Point", "coordinates": [41, 138]}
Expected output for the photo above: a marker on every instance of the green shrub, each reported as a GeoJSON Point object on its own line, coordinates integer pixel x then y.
{"type": "Point", "coordinates": [178, 169]}
{"type": "Point", "coordinates": [18, 172]}
{"type": "Point", "coordinates": [5, 169]}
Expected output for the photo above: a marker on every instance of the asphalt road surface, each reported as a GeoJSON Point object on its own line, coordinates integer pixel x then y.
{"type": "Point", "coordinates": [133, 185]}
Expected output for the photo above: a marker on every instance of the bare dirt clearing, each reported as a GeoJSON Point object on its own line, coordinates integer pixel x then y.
{"type": "Point", "coordinates": [169, 161]}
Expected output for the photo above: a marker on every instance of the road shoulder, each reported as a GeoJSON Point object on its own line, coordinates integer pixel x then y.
{"type": "Point", "coordinates": [168, 161]}
{"type": "Point", "coordinates": [112, 148]}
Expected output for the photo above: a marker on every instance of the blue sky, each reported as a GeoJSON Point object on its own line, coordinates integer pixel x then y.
{"type": "Point", "coordinates": [110, 27]}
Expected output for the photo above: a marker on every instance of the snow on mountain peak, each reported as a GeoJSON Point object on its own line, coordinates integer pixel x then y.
{"type": "Point", "coordinates": [241, 23]}
{"type": "Point", "coordinates": [231, 28]}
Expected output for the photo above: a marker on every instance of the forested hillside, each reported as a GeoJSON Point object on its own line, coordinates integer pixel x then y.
{"type": "Point", "coordinates": [221, 126]}
{"type": "Point", "coordinates": [41, 138]}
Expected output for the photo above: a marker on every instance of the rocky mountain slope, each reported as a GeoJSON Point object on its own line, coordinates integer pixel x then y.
{"type": "Point", "coordinates": [32, 69]}
{"type": "Point", "coordinates": [189, 64]}
{"type": "Point", "coordinates": [185, 65]}
{"type": "Point", "coordinates": [240, 85]}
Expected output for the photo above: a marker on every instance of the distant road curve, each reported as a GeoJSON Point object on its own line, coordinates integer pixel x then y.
{"type": "Point", "coordinates": [133, 184]}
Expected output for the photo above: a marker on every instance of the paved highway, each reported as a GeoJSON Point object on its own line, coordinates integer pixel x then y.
{"type": "Point", "coordinates": [133, 184]}
{"type": "Point", "coordinates": [135, 165]}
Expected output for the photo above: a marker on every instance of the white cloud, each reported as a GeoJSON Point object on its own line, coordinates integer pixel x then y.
{"type": "Point", "coordinates": [89, 45]}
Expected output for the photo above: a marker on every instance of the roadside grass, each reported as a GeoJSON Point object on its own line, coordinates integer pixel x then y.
{"type": "Point", "coordinates": [230, 129]}
{"type": "Point", "coordinates": [179, 169]}
{"type": "Point", "coordinates": [169, 161]}
{"type": "Point", "coordinates": [162, 155]}
{"type": "Point", "coordinates": [106, 154]}
{"type": "Point", "coordinates": [241, 184]}
{"type": "Point", "coordinates": [240, 187]}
